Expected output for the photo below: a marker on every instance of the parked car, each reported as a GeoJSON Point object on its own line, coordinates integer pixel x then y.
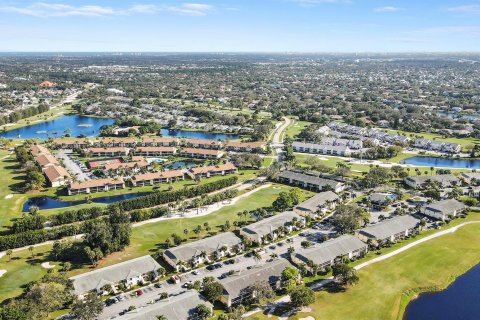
{"type": "Point", "coordinates": [139, 292]}
{"type": "Point", "coordinates": [157, 285]}
{"type": "Point", "coordinates": [196, 272]}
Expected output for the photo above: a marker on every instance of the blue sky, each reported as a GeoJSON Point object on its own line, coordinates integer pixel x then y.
{"type": "Point", "coordinates": [240, 25]}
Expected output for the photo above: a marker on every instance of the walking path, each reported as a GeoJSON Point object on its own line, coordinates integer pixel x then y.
{"type": "Point", "coordinates": [324, 282]}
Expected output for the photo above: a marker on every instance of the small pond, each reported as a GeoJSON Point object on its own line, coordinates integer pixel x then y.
{"type": "Point", "coordinates": [461, 300]}
{"type": "Point", "coordinates": [50, 203]}
{"type": "Point", "coordinates": [442, 162]}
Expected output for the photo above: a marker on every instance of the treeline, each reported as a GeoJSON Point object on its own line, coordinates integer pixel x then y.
{"type": "Point", "coordinates": [30, 228]}
{"type": "Point", "coordinates": [23, 113]}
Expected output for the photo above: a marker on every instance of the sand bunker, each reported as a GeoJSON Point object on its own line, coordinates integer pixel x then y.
{"type": "Point", "coordinates": [47, 265]}
{"type": "Point", "coordinates": [2, 272]}
{"type": "Point", "coordinates": [9, 196]}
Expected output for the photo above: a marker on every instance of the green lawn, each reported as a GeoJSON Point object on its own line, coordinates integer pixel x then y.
{"type": "Point", "coordinates": [386, 287]}
{"type": "Point", "coordinates": [295, 128]}
{"type": "Point", "coordinates": [146, 239]}
{"type": "Point", "coordinates": [42, 117]}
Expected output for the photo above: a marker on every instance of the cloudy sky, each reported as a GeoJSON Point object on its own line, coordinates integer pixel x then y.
{"type": "Point", "coordinates": [240, 25]}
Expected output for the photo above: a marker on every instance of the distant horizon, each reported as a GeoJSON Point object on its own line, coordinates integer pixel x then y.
{"type": "Point", "coordinates": [260, 26]}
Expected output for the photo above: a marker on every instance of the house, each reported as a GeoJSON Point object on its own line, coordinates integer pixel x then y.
{"type": "Point", "coordinates": [388, 230]}
{"type": "Point", "coordinates": [160, 142]}
{"type": "Point", "coordinates": [192, 254]}
{"type": "Point", "coordinates": [201, 153]}
{"type": "Point", "coordinates": [135, 165]}
{"type": "Point", "coordinates": [435, 145]}
{"type": "Point", "coordinates": [57, 175]}
{"type": "Point", "coordinates": [45, 160]}
{"type": "Point", "coordinates": [472, 178]}
{"type": "Point", "coordinates": [210, 171]}
{"type": "Point", "coordinates": [445, 180]}
{"type": "Point", "coordinates": [239, 287]}
{"type": "Point", "coordinates": [152, 178]}
{"type": "Point", "coordinates": [444, 209]}
{"type": "Point", "coordinates": [270, 228]}
{"type": "Point", "coordinates": [351, 143]}
{"type": "Point", "coordinates": [203, 144]}
{"type": "Point", "coordinates": [108, 152]}
{"type": "Point", "coordinates": [310, 182]}
{"type": "Point", "coordinates": [325, 149]}
{"type": "Point", "coordinates": [155, 151]}
{"type": "Point", "coordinates": [381, 199]}
{"type": "Point", "coordinates": [330, 252]}
{"type": "Point", "coordinates": [319, 203]}
{"type": "Point", "coordinates": [97, 185]}
{"type": "Point", "coordinates": [130, 273]}
{"type": "Point", "coordinates": [115, 142]}
{"type": "Point", "coordinates": [71, 144]}
{"type": "Point", "coordinates": [181, 306]}
{"type": "Point", "coordinates": [38, 149]}
{"type": "Point", "coordinates": [258, 146]}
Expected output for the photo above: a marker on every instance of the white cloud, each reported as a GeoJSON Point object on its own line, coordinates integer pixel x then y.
{"type": "Point", "coordinates": [45, 10]}
{"type": "Point", "coordinates": [469, 9]}
{"type": "Point", "coordinates": [311, 3]}
{"type": "Point", "coordinates": [387, 9]}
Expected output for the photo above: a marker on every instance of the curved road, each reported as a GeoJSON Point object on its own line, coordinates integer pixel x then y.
{"type": "Point", "coordinates": [277, 141]}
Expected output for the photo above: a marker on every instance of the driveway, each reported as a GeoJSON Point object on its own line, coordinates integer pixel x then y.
{"type": "Point", "coordinates": [72, 166]}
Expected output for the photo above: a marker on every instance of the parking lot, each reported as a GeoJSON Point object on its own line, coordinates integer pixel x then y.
{"type": "Point", "coordinates": [74, 166]}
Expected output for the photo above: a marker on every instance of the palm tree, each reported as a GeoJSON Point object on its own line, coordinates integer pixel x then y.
{"type": "Point", "coordinates": [31, 250]}
{"type": "Point", "coordinates": [291, 250]}
{"type": "Point", "coordinates": [257, 257]}
{"type": "Point", "coordinates": [185, 231]}
{"type": "Point", "coordinates": [9, 254]}
{"type": "Point", "coordinates": [274, 256]}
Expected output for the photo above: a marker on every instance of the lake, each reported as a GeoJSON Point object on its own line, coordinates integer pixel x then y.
{"type": "Point", "coordinates": [78, 125]}
{"type": "Point", "coordinates": [198, 134]}
{"type": "Point", "coordinates": [51, 203]}
{"type": "Point", "coordinates": [90, 127]}
{"type": "Point", "coordinates": [461, 300]}
{"type": "Point", "coordinates": [442, 162]}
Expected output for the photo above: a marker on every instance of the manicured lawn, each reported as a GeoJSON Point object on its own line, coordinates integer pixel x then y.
{"type": "Point", "coordinates": [386, 287]}
{"type": "Point", "coordinates": [11, 196]}
{"type": "Point", "coordinates": [42, 117]}
{"type": "Point", "coordinates": [296, 127]}
{"type": "Point", "coordinates": [146, 239]}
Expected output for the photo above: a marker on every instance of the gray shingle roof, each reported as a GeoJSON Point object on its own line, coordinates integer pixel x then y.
{"type": "Point", "coordinates": [320, 199]}
{"type": "Point", "coordinates": [211, 244]}
{"type": "Point", "coordinates": [446, 206]}
{"type": "Point", "coordinates": [390, 227]}
{"type": "Point", "coordinates": [179, 307]}
{"type": "Point", "coordinates": [331, 249]}
{"type": "Point", "coordinates": [86, 282]}
{"type": "Point", "coordinates": [444, 179]}
{"type": "Point", "coordinates": [297, 144]}
{"type": "Point", "coordinates": [321, 182]}
{"type": "Point", "coordinates": [267, 225]}
{"type": "Point", "coordinates": [270, 271]}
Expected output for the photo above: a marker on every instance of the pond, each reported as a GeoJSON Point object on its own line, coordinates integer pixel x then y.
{"type": "Point", "coordinates": [442, 162]}
{"type": "Point", "coordinates": [198, 135]}
{"type": "Point", "coordinates": [74, 125]}
{"type": "Point", "coordinates": [50, 203]}
{"type": "Point", "coordinates": [461, 300]}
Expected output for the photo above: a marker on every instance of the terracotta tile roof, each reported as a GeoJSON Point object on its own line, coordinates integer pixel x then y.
{"type": "Point", "coordinates": [126, 165]}
{"type": "Point", "coordinates": [159, 140]}
{"type": "Point", "coordinates": [201, 151]}
{"type": "Point", "coordinates": [112, 149]}
{"type": "Point", "coordinates": [70, 141]}
{"type": "Point", "coordinates": [238, 144]}
{"type": "Point", "coordinates": [158, 175]}
{"type": "Point", "coordinates": [55, 173]}
{"type": "Point", "coordinates": [37, 149]}
{"type": "Point", "coordinates": [95, 183]}
{"type": "Point", "coordinates": [203, 141]}
{"type": "Point", "coordinates": [156, 149]}
{"type": "Point", "coordinates": [219, 168]}
{"type": "Point", "coordinates": [46, 159]}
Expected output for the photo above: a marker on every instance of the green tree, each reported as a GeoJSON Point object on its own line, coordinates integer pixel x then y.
{"type": "Point", "coordinates": [302, 296]}
{"type": "Point", "coordinates": [202, 312]}
{"type": "Point", "coordinates": [88, 308]}
{"type": "Point", "coordinates": [345, 274]}
{"type": "Point", "coordinates": [212, 289]}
